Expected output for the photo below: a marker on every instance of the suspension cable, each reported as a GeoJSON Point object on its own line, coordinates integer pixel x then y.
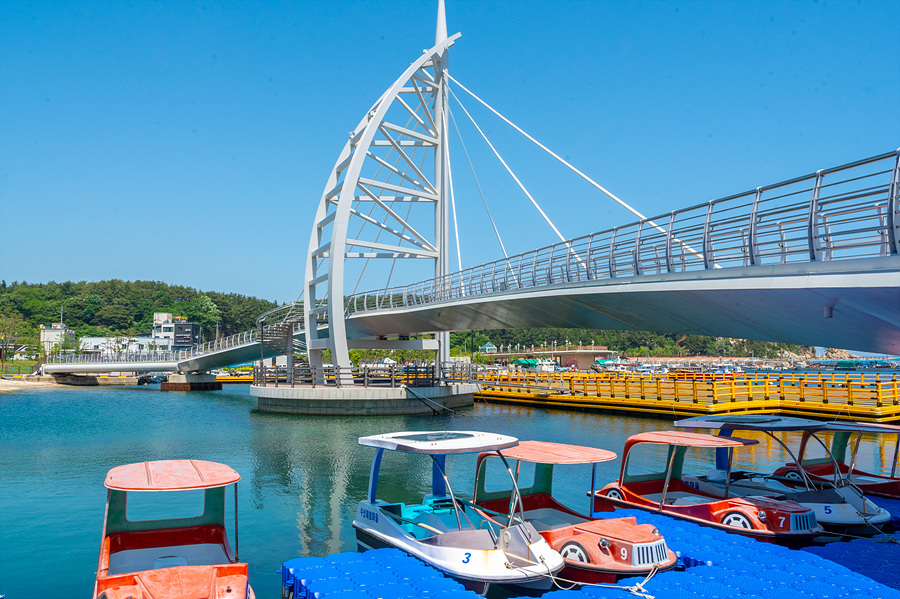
{"type": "Point", "coordinates": [549, 151]}
{"type": "Point", "coordinates": [565, 241]}
{"type": "Point", "coordinates": [509, 170]}
{"type": "Point", "coordinates": [575, 170]}
{"type": "Point", "coordinates": [453, 203]}
{"type": "Point", "coordinates": [478, 185]}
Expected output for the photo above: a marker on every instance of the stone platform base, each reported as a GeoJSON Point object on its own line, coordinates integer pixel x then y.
{"type": "Point", "coordinates": [191, 382]}
{"type": "Point", "coordinates": [360, 401]}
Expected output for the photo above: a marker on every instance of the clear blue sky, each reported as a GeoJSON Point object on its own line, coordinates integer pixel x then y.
{"type": "Point", "coordinates": [190, 142]}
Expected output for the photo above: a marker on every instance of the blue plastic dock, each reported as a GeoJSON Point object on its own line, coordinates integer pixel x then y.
{"type": "Point", "coordinates": [720, 566]}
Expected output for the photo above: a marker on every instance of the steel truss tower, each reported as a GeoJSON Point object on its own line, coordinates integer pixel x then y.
{"type": "Point", "coordinates": [387, 197]}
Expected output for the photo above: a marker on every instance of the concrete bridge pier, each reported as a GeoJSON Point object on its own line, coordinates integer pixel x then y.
{"type": "Point", "coordinates": [191, 382]}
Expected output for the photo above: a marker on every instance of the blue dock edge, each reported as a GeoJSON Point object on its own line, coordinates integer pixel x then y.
{"type": "Point", "coordinates": [719, 566]}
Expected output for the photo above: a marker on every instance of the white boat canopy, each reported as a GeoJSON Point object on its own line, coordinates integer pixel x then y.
{"type": "Point", "coordinates": [440, 442]}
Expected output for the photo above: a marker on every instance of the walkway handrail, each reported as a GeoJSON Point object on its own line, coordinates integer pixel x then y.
{"type": "Point", "coordinates": [840, 213]}
{"type": "Point", "coordinates": [223, 343]}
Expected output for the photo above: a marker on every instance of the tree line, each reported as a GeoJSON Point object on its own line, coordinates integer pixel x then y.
{"type": "Point", "coordinates": [116, 307]}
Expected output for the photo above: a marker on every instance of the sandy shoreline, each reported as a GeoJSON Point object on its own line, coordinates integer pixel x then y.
{"type": "Point", "coordinates": [7, 385]}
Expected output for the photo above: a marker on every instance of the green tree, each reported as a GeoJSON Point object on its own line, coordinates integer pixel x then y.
{"type": "Point", "coordinates": [11, 325]}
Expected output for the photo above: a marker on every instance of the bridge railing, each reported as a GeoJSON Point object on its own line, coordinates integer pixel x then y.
{"type": "Point", "coordinates": [850, 211]}
{"type": "Point", "coordinates": [223, 343]}
{"type": "Point", "coordinates": [116, 357]}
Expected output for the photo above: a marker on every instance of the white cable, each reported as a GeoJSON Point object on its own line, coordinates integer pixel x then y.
{"type": "Point", "coordinates": [509, 170]}
{"type": "Point", "coordinates": [453, 201]}
{"type": "Point", "coordinates": [477, 184]}
{"type": "Point", "coordinates": [549, 151]}
{"type": "Point", "coordinates": [575, 170]}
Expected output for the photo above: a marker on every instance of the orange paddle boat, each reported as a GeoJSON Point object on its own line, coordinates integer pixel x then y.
{"type": "Point", "coordinates": [185, 558]}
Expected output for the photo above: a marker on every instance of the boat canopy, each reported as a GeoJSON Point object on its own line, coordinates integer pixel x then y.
{"type": "Point", "coordinates": [688, 439]}
{"type": "Point", "coordinates": [752, 422]}
{"type": "Point", "coordinates": [542, 452]}
{"type": "Point", "coordinates": [863, 427]}
{"type": "Point", "coordinates": [440, 442]}
{"type": "Point", "coordinates": [170, 475]}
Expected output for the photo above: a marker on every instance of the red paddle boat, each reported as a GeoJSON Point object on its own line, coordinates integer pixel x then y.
{"type": "Point", "coordinates": [603, 550]}
{"type": "Point", "coordinates": [665, 492]}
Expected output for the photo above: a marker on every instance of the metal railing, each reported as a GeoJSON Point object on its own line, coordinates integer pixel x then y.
{"type": "Point", "coordinates": [224, 343]}
{"type": "Point", "coordinates": [116, 357]}
{"type": "Point", "coordinates": [850, 211]}
{"type": "Point", "coordinates": [378, 375]}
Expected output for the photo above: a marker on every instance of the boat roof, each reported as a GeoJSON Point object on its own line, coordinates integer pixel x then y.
{"type": "Point", "coordinates": [752, 422]}
{"type": "Point", "coordinates": [439, 442]}
{"type": "Point", "coordinates": [866, 427]}
{"type": "Point", "coordinates": [542, 452]}
{"type": "Point", "coordinates": [170, 475]}
{"type": "Point", "coordinates": [689, 439]}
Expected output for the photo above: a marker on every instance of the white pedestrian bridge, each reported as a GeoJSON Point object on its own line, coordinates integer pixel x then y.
{"type": "Point", "coordinates": [814, 260]}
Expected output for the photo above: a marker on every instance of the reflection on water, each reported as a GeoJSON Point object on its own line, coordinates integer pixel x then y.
{"type": "Point", "coordinates": [302, 476]}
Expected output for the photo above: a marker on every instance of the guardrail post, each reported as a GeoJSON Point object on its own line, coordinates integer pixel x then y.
{"type": "Point", "coordinates": [669, 264]}
{"type": "Point", "coordinates": [707, 241]}
{"type": "Point", "coordinates": [893, 210]}
{"type": "Point", "coordinates": [812, 225]}
{"type": "Point", "coordinates": [612, 257]}
{"type": "Point", "coordinates": [638, 270]}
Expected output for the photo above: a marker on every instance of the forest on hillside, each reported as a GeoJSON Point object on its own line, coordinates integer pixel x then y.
{"type": "Point", "coordinates": [124, 307]}
{"type": "Point", "coordinates": [629, 343]}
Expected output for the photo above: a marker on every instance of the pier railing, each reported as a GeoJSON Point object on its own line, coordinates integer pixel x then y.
{"type": "Point", "coordinates": [848, 396]}
{"type": "Point", "coordinates": [378, 375]}
{"type": "Point", "coordinates": [846, 212]}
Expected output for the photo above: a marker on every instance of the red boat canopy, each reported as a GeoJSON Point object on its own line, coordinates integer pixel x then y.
{"type": "Point", "coordinates": [688, 439]}
{"type": "Point", "coordinates": [170, 475]}
{"type": "Point", "coordinates": [542, 452]}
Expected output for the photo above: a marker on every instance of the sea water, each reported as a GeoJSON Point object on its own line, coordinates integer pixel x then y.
{"type": "Point", "coordinates": [301, 476]}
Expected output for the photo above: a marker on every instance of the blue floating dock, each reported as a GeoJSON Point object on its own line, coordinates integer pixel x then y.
{"type": "Point", "coordinates": [712, 565]}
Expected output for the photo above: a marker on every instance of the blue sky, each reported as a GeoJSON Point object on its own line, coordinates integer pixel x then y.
{"type": "Point", "coordinates": [190, 142]}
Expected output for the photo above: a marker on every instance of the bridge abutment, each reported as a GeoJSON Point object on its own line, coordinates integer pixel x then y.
{"type": "Point", "coordinates": [360, 401]}
{"type": "Point", "coordinates": [191, 382]}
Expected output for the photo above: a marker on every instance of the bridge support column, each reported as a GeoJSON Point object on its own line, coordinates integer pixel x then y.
{"type": "Point", "coordinates": [191, 382]}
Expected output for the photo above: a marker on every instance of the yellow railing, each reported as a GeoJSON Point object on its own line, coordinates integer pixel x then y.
{"type": "Point", "coordinates": [873, 397]}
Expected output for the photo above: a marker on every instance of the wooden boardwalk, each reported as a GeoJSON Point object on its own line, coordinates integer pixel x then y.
{"type": "Point", "coordinates": [837, 396]}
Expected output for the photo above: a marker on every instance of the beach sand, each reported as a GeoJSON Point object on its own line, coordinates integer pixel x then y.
{"type": "Point", "coordinates": [7, 385]}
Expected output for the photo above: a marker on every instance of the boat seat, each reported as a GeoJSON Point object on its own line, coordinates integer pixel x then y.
{"type": "Point", "coordinates": [681, 498]}
{"type": "Point", "coordinates": [392, 508]}
{"type": "Point", "coordinates": [463, 539]}
{"type": "Point", "coordinates": [549, 519]}
{"type": "Point", "coordinates": [134, 551]}
{"type": "Point", "coordinates": [155, 558]}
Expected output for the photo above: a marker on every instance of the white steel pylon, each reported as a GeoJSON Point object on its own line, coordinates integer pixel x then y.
{"type": "Point", "coordinates": [385, 199]}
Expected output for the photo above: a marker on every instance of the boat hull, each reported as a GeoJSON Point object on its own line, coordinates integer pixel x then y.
{"type": "Point", "coordinates": [706, 515]}
{"type": "Point", "coordinates": [475, 568]}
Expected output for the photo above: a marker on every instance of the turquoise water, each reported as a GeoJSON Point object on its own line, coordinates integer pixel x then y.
{"type": "Point", "coordinates": [302, 476]}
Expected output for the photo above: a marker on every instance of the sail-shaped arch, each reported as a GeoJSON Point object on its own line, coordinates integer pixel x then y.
{"type": "Point", "coordinates": [384, 200]}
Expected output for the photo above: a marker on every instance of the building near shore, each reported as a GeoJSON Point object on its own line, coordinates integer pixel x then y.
{"type": "Point", "coordinates": [54, 335]}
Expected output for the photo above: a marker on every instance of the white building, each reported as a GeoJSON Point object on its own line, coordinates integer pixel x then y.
{"type": "Point", "coordinates": [143, 345]}
{"type": "Point", "coordinates": [55, 334]}
{"type": "Point", "coordinates": [163, 326]}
